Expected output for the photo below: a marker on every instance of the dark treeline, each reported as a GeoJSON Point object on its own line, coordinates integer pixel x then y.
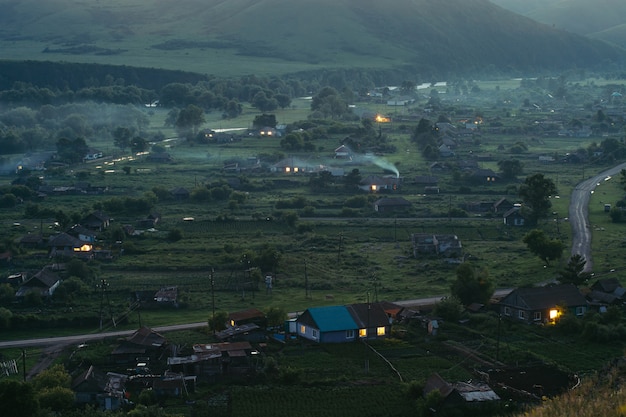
{"type": "Point", "coordinates": [72, 76]}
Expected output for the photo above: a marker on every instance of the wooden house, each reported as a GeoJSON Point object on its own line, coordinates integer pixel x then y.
{"type": "Point", "coordinates": [460, 394]}
{"type": "Point", "coordinates": [341, 324]}
{"type": "Point", "coordinates": [514, 217]}
{"type": "Point", "coordinates": [66, 245]}
{"type": "Point", "coordinates": [248, 316]}
{"type": "Point", "coordinates": [43, 283]}
{"type": "Point", "coordinates": [543, 304]}
{"type": "Point", "coordinates": [144, 343]}
{"type": "Point", "coordinates": [93, 387]}
{"type": "Point", "coordinates": [391, 205]}
{"type": "Point", "coordinates": [97, 221]}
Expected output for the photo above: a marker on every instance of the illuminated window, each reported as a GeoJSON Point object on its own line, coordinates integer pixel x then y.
{"type": "Point", "coordinates": [362, 332]}
{"type": "Point", "coordinates": [374, 187]}
{"type": "Point", "coordinates": [232, 323]}
{"type": "Point", "coordinates": [287, 169]}
{"type": "Point", "coordinates": [380, 331]}
{"type": "Point", "coordinates": [295, 169]}
{"type": "Point", "coordinates": [303, 329]}
{"type": "Point", "coordinates": [554, 314]}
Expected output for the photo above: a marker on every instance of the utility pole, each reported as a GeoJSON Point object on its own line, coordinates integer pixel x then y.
{"type": "Point", "coordinates": [498, 339]}
{"type": "Point", "coordinates": [306, 282]}
{"type": "Point", "coordinates": [213, 296]}
{"type": "Point", "coordinates": [340, 243]}
{"type": "Point", "coordinates": [104, 294]}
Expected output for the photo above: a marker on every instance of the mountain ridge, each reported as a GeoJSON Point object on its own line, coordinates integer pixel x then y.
{"type": "Point", "coordinates": [427, 36]}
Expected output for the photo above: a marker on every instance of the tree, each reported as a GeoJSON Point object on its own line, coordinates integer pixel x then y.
{"type": "Point", "coordinates": [353, 179]}
{"type": "Point", "coordinates": [121, 137]}
{"type": "Point", "coordinates": [189, 120]}
{"type": "Point", "coordinates": [57, 399]}
{"type": "Point", "coordinates": [18, 399]}
{"type": "Point", "coordinates": [546, 249]}
{"type": "Point", "coordinates": [218, 321]}
{"type": "Point", "coordinates": [138, 144]}
{"type": "Point", "coordinates": [5, 318]}
{"type": "Point", "coordinates": [449, 309]}
{"type": "Point", "coordinates": [276, 316]}
{"type": "Point", "coordinates": [472, 286]}
{"type": "Point", "coordinates": [535, 192]}
{"type": "Point", "coordinates": [574, 272]}
{"type": "Point", "coordinates": [72, 150]}
{"type": "Point", "coordinates": [264, 120]}
{"type": "Point", "coordinates": [329, 103]}
{"type": "Point", "coordinates": [510, 168]}
{"type": "Point", "coordinates": [233, 109]}
{"type": "Point", "coordinates": [55, 376]}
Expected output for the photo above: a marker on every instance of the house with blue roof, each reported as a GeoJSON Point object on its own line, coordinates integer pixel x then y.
{"type": "Point", "coordinates": [341, 324]}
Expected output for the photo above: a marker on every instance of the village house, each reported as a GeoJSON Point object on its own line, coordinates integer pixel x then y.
{"type": "Point", "coordinates": [97, 221]}
{"type": "Point", "coordinates": [215, 359]}
{"type": "Point", "coordinates": [483, 176]}
{"type": "Point", "coordinates": [375, 183]}
{"type": "Point", "coordinates": [514, 216]}
{"type": "Point", "coordinates": [93, 387]}
{"type": "Point", "coordinates": [606, 292]}
{"type": "Point", "coordinates": [343, 152]}
{"type": "Point", "coordinates": [65, 245]}
{"type": "Point", "coordinates": [542, 304]}
{"type": "Point", "coordinates": [465, 393]}
{"type": "Point", "coordinates": [340, 324]}
{"type": "Point", "coordinates": [391, 205]}
{"type": "Point", "coordinates": [502, 206]}
{"type": "Point", "coordinates": [292, 166]}
{"type": "Point", "coordinates": [144, 343]}
{"type": "Point", "coordinates": [248, 316]}
{"type": "Point", "coordinates": [82, 233]}
{"type": "Point", "coordinates": [179, 193]}
{"type": "Point", "coordinates": [43, 283]}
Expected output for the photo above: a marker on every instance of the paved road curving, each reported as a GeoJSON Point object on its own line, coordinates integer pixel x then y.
{"type": "Point", "coordinates": [579, 213]}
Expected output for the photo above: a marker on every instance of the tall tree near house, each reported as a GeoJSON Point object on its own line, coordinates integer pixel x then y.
{"type": "Point", "coordinates": [471, 285]}
{"type": "Point", "coordinates": [535, 192]}
{"type": "Point", "coordinates": [546, 249]}
{"type": "Point", "coordinates": [574, 272]}
{"type": "Point", "coordinates": [189, 120]}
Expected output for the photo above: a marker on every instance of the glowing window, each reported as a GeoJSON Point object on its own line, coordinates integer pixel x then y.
{"type": "Point", "coordinates": [287, 169]}
{"type": "Point", "coordinates": [362, 332]}
{"type": "Point", "coordinates": [380, 331]}
{"type": "Point", "coordinates": [303, 329]}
